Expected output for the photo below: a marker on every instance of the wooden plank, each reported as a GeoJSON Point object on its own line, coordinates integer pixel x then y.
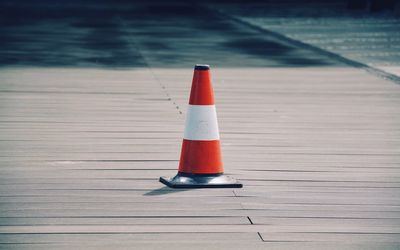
{"type": "Point", "coordinates": [83, 229]}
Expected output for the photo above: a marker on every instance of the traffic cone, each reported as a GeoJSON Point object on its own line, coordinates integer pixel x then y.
{"type": "Point", "coordinates": [200, 165]}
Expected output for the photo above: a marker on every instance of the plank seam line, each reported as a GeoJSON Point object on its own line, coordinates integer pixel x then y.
{"type": "Point", "coordinates": [259, 235]}
{"type": "Point", "coordinates": [369, 69]}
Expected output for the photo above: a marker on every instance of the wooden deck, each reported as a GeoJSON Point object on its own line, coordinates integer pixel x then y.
{"type": "Point", "coordinates": [82, 148]}
{"type": "Point", "coordinates": [317, 151]}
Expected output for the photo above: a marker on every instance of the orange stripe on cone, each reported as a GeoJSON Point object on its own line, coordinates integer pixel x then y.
{"type": "Point", "coordinates": [201, 157]}
{"type": "Point", "coordinates": [202, 92]}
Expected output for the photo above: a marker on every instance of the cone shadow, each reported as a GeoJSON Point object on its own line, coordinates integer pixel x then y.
{"type": "Point", "coordinates": [164, 191]}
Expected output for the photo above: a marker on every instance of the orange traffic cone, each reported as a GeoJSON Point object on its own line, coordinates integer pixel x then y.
{"type": "Point", "coordinates": [200, 165]}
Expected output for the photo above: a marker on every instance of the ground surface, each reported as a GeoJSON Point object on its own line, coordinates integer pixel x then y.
{"type": "Point", "coordinates": [92, 106]}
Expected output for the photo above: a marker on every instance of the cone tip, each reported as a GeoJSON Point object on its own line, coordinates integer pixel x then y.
{"type": "Point", "coordinates": [202, 67]}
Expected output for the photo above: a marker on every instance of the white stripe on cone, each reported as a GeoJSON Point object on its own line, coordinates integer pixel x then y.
{"type": "Point", "coordinates": [201, 123]}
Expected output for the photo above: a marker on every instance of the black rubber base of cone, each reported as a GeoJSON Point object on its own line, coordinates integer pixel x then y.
{"type": "Point", "coordinates": [182, 180]}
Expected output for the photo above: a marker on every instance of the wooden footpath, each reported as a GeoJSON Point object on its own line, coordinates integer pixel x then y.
{"type": "Point", "coordinates": [316, 148]}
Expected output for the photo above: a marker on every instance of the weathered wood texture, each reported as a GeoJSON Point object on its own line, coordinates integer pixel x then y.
{"type": "Point", "coordinates": [317, 150]}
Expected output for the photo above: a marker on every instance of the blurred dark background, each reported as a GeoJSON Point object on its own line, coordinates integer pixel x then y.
{"type": "Point", "coordinates": [126, 33]}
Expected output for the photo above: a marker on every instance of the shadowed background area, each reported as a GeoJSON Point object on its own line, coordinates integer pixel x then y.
{"type": "Point", "coordinates": [133, 34]}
